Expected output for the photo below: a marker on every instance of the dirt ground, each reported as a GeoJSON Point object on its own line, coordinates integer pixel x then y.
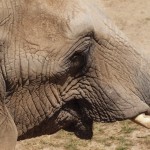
{"type": "Point", "coordinates": [133, 18]}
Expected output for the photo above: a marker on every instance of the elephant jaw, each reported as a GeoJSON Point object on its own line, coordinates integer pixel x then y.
{"type": "Point", "coordinates": [143, 120]}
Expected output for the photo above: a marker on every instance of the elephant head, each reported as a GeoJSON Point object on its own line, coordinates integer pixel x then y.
{"type": "Point", "coordinates": [65, 65]}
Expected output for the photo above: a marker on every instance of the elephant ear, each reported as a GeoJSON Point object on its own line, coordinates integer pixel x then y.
{"type": "Point", "coordinates": [8, 131]}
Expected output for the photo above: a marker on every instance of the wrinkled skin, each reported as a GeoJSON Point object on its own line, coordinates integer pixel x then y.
{"type": "Point", "coordinates": [63, 66]}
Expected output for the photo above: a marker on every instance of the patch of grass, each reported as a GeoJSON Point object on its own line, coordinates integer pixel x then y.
{"type": "Point", "coordinates": [112, 138]}
{"type": "Point", "coordinates": [108, 143]}
{"type": "Point", "coordinates": [99, 129]}
{"type": "Point", "coordinates": [71, 146]}
{"type": "Point", "coordinates": [121, 140]}
{"type": "Point", "coordinates": [127, 128]}
{"type": "Point", "coordinates": [123, 143]}
{"type": "Point", "coordinates": [121, 148]}
{"type": "Point", "coordinates": [146, 141]}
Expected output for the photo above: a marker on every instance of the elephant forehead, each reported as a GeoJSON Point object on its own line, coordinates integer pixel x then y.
{"type": "Point", "coordinates": [61, 18]}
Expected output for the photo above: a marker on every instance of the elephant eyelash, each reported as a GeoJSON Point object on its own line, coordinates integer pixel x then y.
{"type": "Point", "coordinates": [80, 53]}
{"type": "Point", "coordinates": [82, 50]}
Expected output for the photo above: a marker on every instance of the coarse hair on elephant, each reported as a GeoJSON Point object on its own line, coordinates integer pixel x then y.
{"type": "Point", "coordinates": [64, 65]}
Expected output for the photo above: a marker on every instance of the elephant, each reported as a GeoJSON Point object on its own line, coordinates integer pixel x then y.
{"type": "Point", "coordinates": [65, 65]}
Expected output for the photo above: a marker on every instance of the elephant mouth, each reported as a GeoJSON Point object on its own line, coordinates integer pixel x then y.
{"type": "Point", "coordinates": [83, 109]}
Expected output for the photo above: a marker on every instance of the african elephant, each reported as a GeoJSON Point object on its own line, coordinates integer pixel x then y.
{"type": "Point", "coordinates": [64, 65]}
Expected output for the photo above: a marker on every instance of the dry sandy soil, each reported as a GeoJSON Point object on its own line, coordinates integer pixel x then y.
{"type": "Point", "coordinates": [133, 18]}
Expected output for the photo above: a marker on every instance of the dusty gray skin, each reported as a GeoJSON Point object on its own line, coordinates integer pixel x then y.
{"type": "Point", "coordinates": [63, 66]}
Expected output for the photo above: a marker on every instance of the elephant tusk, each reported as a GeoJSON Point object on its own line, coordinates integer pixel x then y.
{"type": "Point", "coordinates": [143, 120]}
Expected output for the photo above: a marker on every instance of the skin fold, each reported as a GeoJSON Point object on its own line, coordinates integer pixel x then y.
{"type": "Point", "coordinates": [64, 65]}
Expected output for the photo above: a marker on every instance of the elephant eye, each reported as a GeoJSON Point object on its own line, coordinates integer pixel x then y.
{"type": "Point", "coordinates": [79, 60]}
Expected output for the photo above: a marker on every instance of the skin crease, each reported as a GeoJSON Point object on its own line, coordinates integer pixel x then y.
{"type": "Point", "coordinates": [63, 66]}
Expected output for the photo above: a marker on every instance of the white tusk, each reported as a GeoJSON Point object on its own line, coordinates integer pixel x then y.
{"type": "Point", "coordinates": [143, 120]}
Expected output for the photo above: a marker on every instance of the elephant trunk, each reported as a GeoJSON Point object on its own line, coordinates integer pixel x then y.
{"type": "Point", "coordinates": [122, 77]}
